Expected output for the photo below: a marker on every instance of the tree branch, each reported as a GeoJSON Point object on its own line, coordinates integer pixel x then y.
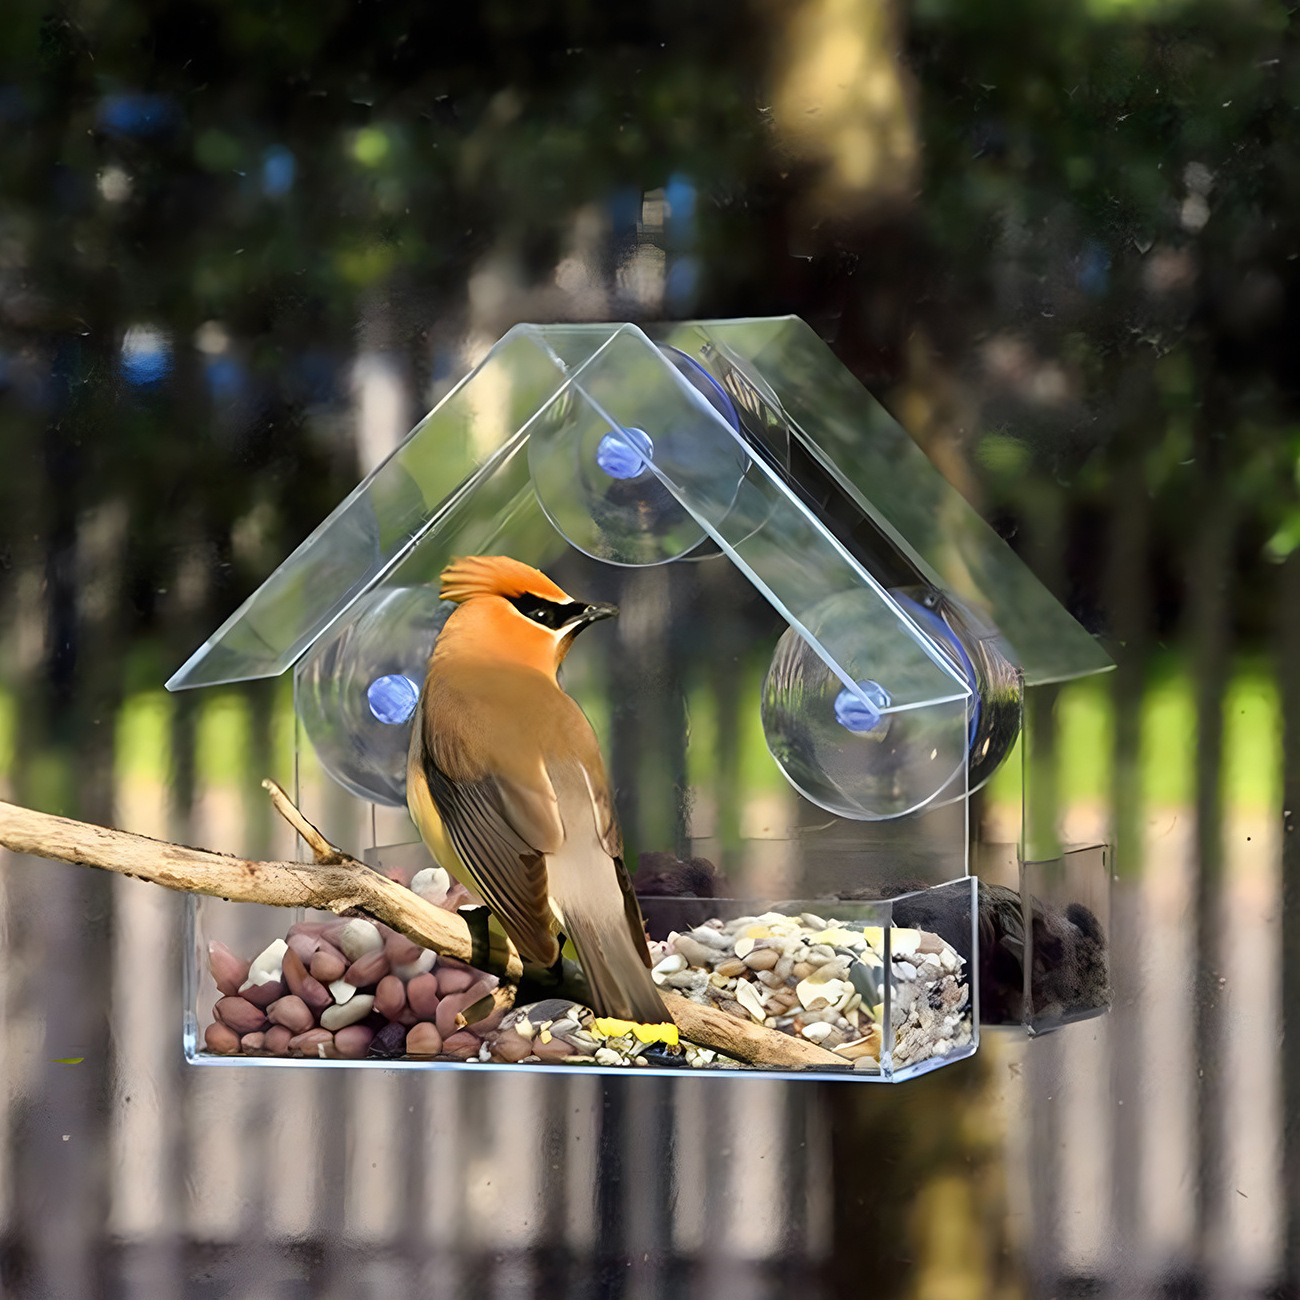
{"type": "Point", "coordinates": [345, 887]}
{"type": "Point", "coordinates": [745, 1039]}
{"type": "Point", "coordinates": [340, 884]}
{"type": "Point", "coordinates": [321, 849]}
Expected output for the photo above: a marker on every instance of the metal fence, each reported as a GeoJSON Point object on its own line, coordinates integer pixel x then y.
{"type": "Point", "coordinates": [127, 1173]}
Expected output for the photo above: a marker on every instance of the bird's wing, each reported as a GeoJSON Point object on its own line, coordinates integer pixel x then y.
{"type": "Point", "coordinates": [597, 783]}
{"type": "Point", "coordinates": [611, 840]}
{"type": "Point", "coordinates": [593, 897]}
{"type": "Point", "coordinates": [501, 834]}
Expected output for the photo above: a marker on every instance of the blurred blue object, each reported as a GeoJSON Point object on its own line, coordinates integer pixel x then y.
{"type": "Point", "coordinates": [225, 378]}
{"type": "Point", "coordinates": [131, 113]}
{"type": "Point", "coordinates": [680, 286]}
{"type": "Point", "coordinates": [625, 455]}
{"type": "Point", "coordinates": [146, 356]}
{"type": "Point", "coordinates": [279, 167]}
{"type": "Point", "coordinates": [392, 698]}
{"type": "Point", "coordinates": [1094, 270]}
{"type": "Point", "coordinates": [680, 194]}
{"type": "Point", "coordinates": [624, 206]}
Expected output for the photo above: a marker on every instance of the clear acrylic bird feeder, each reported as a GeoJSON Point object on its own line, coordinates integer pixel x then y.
{"type": "Point", "coordinates": [823, 652]}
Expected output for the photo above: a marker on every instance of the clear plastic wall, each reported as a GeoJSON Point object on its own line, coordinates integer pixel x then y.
{"type": "Point", "coordinates": [887, 990]}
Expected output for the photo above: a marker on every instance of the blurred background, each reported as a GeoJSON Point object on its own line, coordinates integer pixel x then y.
{"type": "Point", "coordinates": [243, 246]}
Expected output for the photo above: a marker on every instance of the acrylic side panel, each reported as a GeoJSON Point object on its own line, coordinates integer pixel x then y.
{"type": "Point", "coordinates": [1064, 886]}
{"type": "Point", "coordinates": [1066, 917]}
{"type": "Point", "coordinates": [885, 989]}
{"type": "Point", "coordinates": [931, 956]}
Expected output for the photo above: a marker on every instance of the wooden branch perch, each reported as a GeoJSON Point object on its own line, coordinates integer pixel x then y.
{"type": "Point", "coordinates": [343, 886]}
{"type": "Point", "coordinates": [745, 1039]}
{"type": "Point", "coordinates": [339, 883]}
{"type": "Point", "coordinates": [321, 849]}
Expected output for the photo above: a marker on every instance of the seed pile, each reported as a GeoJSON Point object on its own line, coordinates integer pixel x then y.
{"type": "Point", "coordinates": [824, 980]}
{"type": "Point", "coordinates": [346, 990]}
{"type": "Point", "coordinates": [343, 990]}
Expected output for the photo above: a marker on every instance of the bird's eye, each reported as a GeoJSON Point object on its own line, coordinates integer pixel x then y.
{"type": "Point", "coordinates": [546, 612]}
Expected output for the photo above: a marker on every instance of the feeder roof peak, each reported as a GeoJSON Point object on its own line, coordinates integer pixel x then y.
{"type": "Point", "coordinates": [641, 444]}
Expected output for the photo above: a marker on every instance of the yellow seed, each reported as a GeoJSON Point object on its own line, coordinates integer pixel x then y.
{"type": "Point", "coordinates": [836, 936]}
{"type": "Point", "coordinates": [665, 1033]}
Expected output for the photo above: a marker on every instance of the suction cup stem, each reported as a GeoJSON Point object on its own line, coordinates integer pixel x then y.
{"type": "Point", "coordinates": [861, 715]}
{"type": "Point", "coordinates": [392, 698]}
{"type": "Point", "coordinates": [625, 454]}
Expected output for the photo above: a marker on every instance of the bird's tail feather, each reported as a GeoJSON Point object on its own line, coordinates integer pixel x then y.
{"type": "Point", "coordinates": [592, 899]}
{"type": "Point", "coordinates": [620, 982]}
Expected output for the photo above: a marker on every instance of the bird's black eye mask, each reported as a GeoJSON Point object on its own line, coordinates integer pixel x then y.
{"type": "Point", "coordinates": [548, 613]}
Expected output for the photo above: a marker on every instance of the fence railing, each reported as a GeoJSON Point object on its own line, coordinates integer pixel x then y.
{"type": "Point", "coordinates": [154, 1174]}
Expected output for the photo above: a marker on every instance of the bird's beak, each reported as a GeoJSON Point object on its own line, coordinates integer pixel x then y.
{"type": "Point", "coordinates": [594, 613]}
{"type": "Point", "coordinates": [590, 614]}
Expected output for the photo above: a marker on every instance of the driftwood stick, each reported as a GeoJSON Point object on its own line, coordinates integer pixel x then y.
{"type": "Point", "coordinates": [502, 998]}
{"type": "Point", "coordinates": [345, 888]}
{"type": "Point", "coordinates": [341, 884]}
{"type": "Point", "coordinates": [321, 849]}
{"type": "Point", "coordinates": [744, 1039]}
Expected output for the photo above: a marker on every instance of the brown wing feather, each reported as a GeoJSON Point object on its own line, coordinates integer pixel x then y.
{"type": "Point", "coordinates": [510, 873]}
{"type": "Point", "coordinates": [632, 910]}
{"type": "Point", "coordinates": [611, 839]}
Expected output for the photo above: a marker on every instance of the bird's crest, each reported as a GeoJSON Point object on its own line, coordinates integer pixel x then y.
{"type": "Point", "coordinates": [496, 575]}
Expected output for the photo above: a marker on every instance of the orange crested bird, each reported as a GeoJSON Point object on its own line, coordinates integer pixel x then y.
{"type": "Point", "coordinates": [506, 783]}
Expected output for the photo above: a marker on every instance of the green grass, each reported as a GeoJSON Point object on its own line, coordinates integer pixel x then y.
{"type": "Point", "coordinates": [1252, 747]}
{"type": "Point", "coordinates": [1168, 744]}
{"type": "Point", "coordinates": [1252, 742]}
{"type": "Point", "coordinates": [282, 733]}
{"type": "Point", "coordinates": [222, 740]}
{"type": "Point", "coordinates": [759, 773]}
{"type": "Point", "coordinates": [8, 733]}
{"type": "Point", "coordinates": [1085, 739]}
{"type": "Point", "coordinates": [1252, 757]}
{"type": "Point", "coordinates": [142, 744]}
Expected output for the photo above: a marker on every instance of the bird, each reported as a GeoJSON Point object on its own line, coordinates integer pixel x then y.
{"type": "Point", "coordinates": [506, 783]}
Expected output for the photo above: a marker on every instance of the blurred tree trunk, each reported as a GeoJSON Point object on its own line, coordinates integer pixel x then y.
{"type": "Point", "coordinates": [1129, 599]}
{"type": "Point", "coordinates": [1288, 654]}
{"type": "Point", "coordinates": [1209, 627]}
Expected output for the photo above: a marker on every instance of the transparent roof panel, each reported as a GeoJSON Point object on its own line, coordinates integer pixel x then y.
{"type": "Point", "coordinates": [636, 457]}
{"type": "Point", "coordinates": [878, 465]}
{"type": "Point", "coordinates": [373, 527]}
{"type": "Point", "coordinates": [629, 390]}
